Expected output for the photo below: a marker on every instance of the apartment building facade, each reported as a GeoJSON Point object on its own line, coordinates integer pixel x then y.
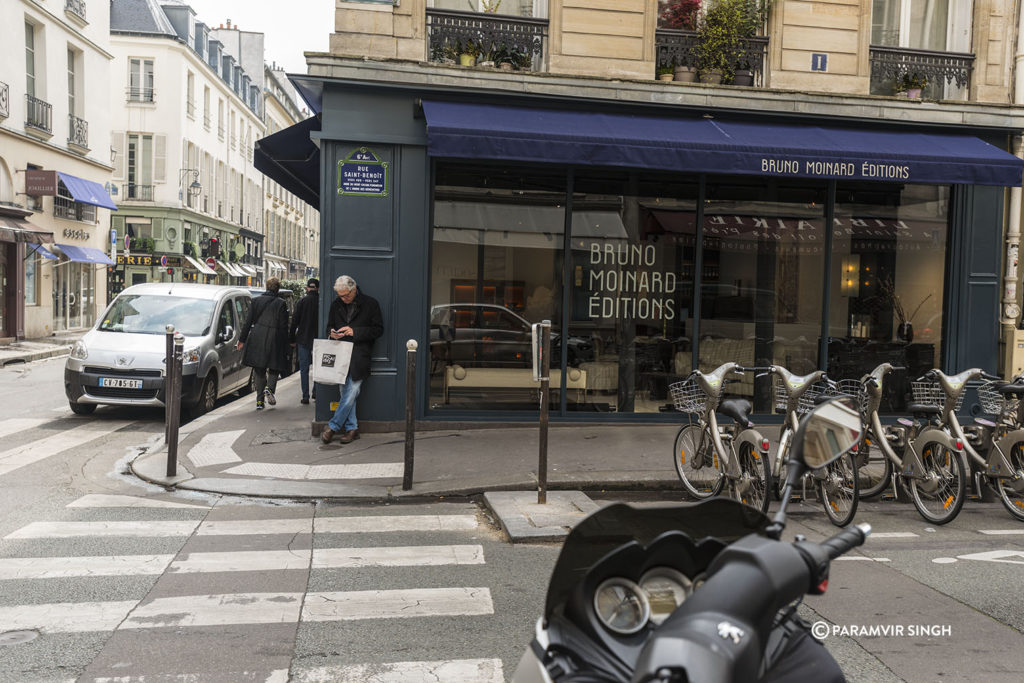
{"type": "Point", "coordinates": [814, 184]}
{"type": "Point", "coordinates": [292, 227]}
{"type": "Point", "coordinates": [54, 164]}
{"type": "Point", "coordinates": [187, 115]}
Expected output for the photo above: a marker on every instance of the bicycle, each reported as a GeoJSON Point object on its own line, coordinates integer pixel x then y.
{"type": "Point", "coordinates": [707, 455]}
{"type": "Point", "coordinates": [836, 484]}
{"type": "Point", "coordinates": [930, 463]}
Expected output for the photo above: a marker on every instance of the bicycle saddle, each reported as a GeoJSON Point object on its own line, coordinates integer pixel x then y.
{"type": "Point", "coordinates": [738, 409]}
{"type": "Point", "coordinates": [923, 409]}
{"type": "Point", "coordinates": [796, 384]}
{"type": "Point", "coordinates": [1011, 389]}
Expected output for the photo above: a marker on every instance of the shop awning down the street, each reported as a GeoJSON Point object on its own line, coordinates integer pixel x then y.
{"type": "Point", "coordinates": [709, 145]}
{"type": "Point", "coordinates": [84, 254]}
{"type": "Point", "coordinates": [87, 192]}
{"type": "Point", "coordinates": [14, 229]}
{"type": "Point", "coordinates": [291, 159]}
{"type": "Point", "coordinates": [200, 266]}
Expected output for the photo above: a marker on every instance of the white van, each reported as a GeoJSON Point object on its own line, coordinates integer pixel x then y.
{"type": "Point", "coordinates": [121, 360]}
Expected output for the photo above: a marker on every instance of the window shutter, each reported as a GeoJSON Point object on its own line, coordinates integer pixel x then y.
{"type": "Point", "coordinates": [117, 145]}
{"type": "Point", "coordinates": [158, 228]}
{"type": "Point", "coordinates": [159, 158]}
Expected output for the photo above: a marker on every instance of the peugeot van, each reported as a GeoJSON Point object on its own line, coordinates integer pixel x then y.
{"type": "Point", "coordinates": [121, 360]}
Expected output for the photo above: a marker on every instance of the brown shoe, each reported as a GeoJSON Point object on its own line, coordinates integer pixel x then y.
{"type": "Point", "coordinates": [327, 435]}
{"type": "Point", "coordinates": [349, 436]}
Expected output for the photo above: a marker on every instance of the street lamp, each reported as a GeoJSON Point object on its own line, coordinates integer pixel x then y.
{"type": "Point", "coordinates": [194, 188]}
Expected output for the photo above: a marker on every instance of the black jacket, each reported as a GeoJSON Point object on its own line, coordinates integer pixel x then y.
{"type": "Point", "coordinates": [305, 319]}
{"type": "Point", "coordinates": [366, 323]}
{"type": "Point", "coordinates": [265, 333]}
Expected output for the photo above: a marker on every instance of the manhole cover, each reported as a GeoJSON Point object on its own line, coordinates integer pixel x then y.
{"type": "Point", "coordinates": [17, 637]}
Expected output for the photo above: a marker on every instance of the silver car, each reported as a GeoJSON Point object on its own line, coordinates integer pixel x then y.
{"type": "Point", "coordinates": [121, 360]}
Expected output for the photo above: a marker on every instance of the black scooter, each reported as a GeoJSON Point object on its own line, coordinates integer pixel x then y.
{"type": "Point", "coordinates": [688, 593]}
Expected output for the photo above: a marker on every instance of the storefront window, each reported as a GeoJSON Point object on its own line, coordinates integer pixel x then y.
{"type": "Point", "coordinates": [632, 268]}
{"type": "Point", "coordinates": [888, 279]}
{"type": "Point", "coordinates": [30, 279]}
{"type": "Point", "coordinates": [761, 293]}
{"type": "Point", "coordinates": [496, 269]}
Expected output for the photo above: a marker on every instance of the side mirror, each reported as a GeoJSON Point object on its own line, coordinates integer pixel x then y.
{"type": "Point", "coordinates": [227, 334]}
{"type": "Point", "coordinates": [829, 431]}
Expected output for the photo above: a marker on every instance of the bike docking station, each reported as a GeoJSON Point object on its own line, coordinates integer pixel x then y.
{"type": "Point", "coordinates": [545, 515]}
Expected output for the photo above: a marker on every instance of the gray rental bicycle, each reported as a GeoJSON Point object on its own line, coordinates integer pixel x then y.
{"type": "Point", "coordinates": [708, 456]}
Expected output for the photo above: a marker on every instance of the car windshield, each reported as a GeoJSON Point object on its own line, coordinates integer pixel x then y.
{"type": "Point", "coordinates": [615, 525]}
{"type": "Point", "coordinates": [149, 314]}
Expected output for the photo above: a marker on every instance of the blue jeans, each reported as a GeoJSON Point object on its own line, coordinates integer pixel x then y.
{"type": "Point", "coordinates": [305, 354]}
{"type": "Point", "coordinates": [346, 412]}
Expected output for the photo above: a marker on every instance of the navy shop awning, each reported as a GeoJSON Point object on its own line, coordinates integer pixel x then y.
{"type": "Point", "coordinates": [87, 192]}
{"type": "Point", "coordinates": [84, 254]}
{"type": "Point", "coordinates": [291, 159]}
{"type": "Point", "coordinates": [484, 131]}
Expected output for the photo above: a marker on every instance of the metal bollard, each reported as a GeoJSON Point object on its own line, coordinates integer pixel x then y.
{"type": "Point", "coordinates": [410, 401]}
{"type": "Point", "coordinates": [173, 398]}
{"type": "Point", "coordinates": [168, 362]}
{"type": "Point", "coordinates": [545, 383]}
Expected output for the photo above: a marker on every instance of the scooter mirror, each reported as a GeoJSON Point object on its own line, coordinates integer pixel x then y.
{"type": "Point", "coordinates": [830, 430]}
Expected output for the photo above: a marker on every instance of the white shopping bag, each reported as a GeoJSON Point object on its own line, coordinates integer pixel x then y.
{"type": "Point", "coordinates": [331, 358]}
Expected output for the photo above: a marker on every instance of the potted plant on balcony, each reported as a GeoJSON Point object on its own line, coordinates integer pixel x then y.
{"type": "Point", "coordinates": [910, 85]}
{"type": "Point", "coordinates": [468, 52]}
{"type": "Point", "coordinates": [666, 73]}
{"type": "Point", "coordinates": [718, 40]}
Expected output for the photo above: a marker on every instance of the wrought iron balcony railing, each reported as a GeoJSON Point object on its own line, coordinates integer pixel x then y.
{"type": "Point", "coordinates": [78, 131]}
{"type": "Point", "coordinates": [140, 94]}
{"type": "Point", "coordinates": [676, 47]}
{"type": "Point", "coordinates": [5, 100]}
{"type": "Point", "coordinates": [38, 114]}
{"type": "Point", "coordinates": [515, 42]}
{"type": "Point", "coordinates": [76, 7]}
{"type": "Point", "coordinates": [890, 65]}
{"type": "Point", "coordinates": [143, 193]}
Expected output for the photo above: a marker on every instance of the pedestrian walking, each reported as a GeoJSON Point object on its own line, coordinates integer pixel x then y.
{"type": "Point", "coordinates": [265, 339]}
{"type": "Point", "coordinates": [354, 317]}
{"type": "Point", "coordinates": [305, 323]}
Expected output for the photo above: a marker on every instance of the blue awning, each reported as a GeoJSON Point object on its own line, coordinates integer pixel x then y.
{"type": "Point", "coordinates": [84, 254]}
{"type": "Point", "coordinates": [86, 191]}
{"type": "Point", "coordinates": [705, 145]}
{"type": "Point", "coordinates": [291, 159]}
{"type": "Point", "coordinates": [41, 251]}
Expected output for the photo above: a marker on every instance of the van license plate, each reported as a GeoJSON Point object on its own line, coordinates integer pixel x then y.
{"type": "Point", "coordinates": [118, 383]}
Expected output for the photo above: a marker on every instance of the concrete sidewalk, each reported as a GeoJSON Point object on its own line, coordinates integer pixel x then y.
{"type": "Point", "coordinates": [28, 350]}
{"type": "Point", "coordinates": [236, 450]}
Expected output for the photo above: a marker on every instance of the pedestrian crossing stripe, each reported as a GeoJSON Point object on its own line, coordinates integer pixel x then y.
{"type": "Point", "coordinates": [246, 609]}
{"type": "Point", "coordinates": [102, 500]}
{"type": "Point", "coordinates": [40, 449]}
{"type": "Point", "coordinates": [475, 670]}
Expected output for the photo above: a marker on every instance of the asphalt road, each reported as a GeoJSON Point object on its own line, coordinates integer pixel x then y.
{"type": "Point", "coordinates": [107, 578]}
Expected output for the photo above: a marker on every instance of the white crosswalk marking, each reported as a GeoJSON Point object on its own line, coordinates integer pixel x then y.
{"type": "Point", "coordinates": [41, 449]}
{"type": "Point", "coordinates": [62, 567]}
{"type": "Point", "coordinates": [475, 670]}
{"type": "Point", "coordinates": [390, 604]}
{"type": "Point", "coordinates": [377, 524]}
{"type": "Point", "coordinates": [250, 527]}
{"type": "Point", "coordinates": [217, 610]}
{"type": "Point", "coordinates": [66, 617]}
{"type": "Point", "coordinates": [20, 424]}
{"type": "Point", "coordinates": [893, 534]}
{"type": "Point", "coordinates": [215, 449]}
{"type": "Point", "coordinates": [416, 556]}
{"type": "Point", "coordinates": [103, 529]}
{"type": "Point", "coordinates": [372, 470]}
{"type": "Point", "coordinates": [101, 500]}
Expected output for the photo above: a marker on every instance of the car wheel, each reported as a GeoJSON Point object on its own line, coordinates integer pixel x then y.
{"type": "Point", "coordinates": [207, 397]}
{"type": "Point", "coordinates": [82, 408]}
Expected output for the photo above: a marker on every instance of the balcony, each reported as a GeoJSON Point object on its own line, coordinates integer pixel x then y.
{"type": "Point", "coordinates": [679, 48]}
{"type": "Point", "coordinates": [942, 75]}
{"type": "Point", "coordinates": [78, 132]}
{"type": "Point", "coordinates": [140, 95]}
{"type": "Point", "coordinates": [475, 38]}
{"type": "Point", "coordinates": [76, 9]}
{"type": "Point", "coordinates": [38, 114]}
{"type": "Point", "coordinates": [142, 193]}
{"type": "Point", "coordinates": [5, 101]}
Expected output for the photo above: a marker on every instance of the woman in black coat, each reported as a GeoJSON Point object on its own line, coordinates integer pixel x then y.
{"type": "Point", "coordinates": [265, 339]}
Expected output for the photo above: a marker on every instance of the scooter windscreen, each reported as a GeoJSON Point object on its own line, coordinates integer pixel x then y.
{"type": "Point", "coordinates": [721, 519]}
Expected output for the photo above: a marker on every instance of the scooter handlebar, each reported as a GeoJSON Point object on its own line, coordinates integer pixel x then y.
{"type": "Point", "coordinates": [846, 540]}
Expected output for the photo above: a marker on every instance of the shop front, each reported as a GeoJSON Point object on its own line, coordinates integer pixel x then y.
{"type": "Point", "coordinates": [655, 242]}
{"type": "Point", "coordinates": [22, 252]}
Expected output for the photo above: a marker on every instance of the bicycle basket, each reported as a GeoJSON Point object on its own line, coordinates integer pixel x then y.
{"type": "Point", "coordinates": [809, 397]}
{"type": "Point", "coordinates": [993, 402]}
{"type": "Point", "coordinates": [688, 396]}
{"type": "Point", "coordinates": [855, 390]}
{"type": "Point", "coordinates": [931, 394]}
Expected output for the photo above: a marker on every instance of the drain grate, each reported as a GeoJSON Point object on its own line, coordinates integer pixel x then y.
{"type": "Point", "coordinates": [17, 637]}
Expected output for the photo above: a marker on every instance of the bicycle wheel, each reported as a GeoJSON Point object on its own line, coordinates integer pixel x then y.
{"type": "Point", "coordinates": [941, 494]}
{"type": "Point", "coordinates": [1011, 491]}
{"type": "Point", "coordinates": [755, 483]}
{"type": "Point", "coordinates": [838, 490]}
{"type": "Point", "coordinates": [873, 469]}
{"type": "Point", "coordinates": [697, 464]}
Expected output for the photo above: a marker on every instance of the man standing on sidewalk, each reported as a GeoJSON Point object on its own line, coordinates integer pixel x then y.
{"type": "Point", "coordinates": [353, 317]}
{"type": "Point", "coordinates": [264, 336]}
{"type": "Point", "coordinates": [305, 322]}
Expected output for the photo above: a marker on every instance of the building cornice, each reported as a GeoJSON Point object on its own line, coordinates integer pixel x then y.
{"type": "Point", "coordinates": [71, 29]}
{"type": "Point", "coordinates": [689, 97]}
{"type": "Point", "coordinates": [54, 148]}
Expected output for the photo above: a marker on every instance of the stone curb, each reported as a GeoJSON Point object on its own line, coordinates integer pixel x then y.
{"type": "Point", "coordinates": [30, 356]}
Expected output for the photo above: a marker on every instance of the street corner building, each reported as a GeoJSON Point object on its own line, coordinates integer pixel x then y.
{"type": "Point", "coordinates": [816, 196]}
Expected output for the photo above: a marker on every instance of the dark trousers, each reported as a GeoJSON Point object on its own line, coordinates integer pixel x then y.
{"type": "Point", "coordinates": [305, 360]}
{"type": "Point", "coordinates": [265, 379]}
